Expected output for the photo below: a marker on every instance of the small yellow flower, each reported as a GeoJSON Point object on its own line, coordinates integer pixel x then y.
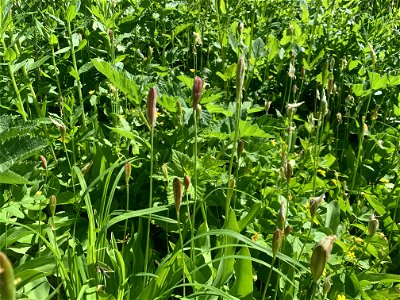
{"type": "Point", "coordinates": [192, 70]}
{"type": "Point", "coordinates": [38, 193]}
{"type": "Point", "coordinates": [351, 254]}
{"type": "Point", "coordinates": [322, 172]}
{"type": "Point", "coordinates": [91, 92]}
{"type": "Point", "coordinates": [358, 240]}
{"type": "Point", "coordinates": [273, 142]}
{"type": "Point", "coordinates": [341, 297]}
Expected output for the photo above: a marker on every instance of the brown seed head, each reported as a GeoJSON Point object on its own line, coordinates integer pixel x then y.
{"type": "Point", "coordinates": [7, 285]}
{"type": "Point", "coordinates": [373, 225]}
{"type": "Point", "coordinates": [281, 216]}
{"type": "Point", "coordinates": [128, 171]}
{"type": "Point", "coordinates": [240, 148]}
{"type": "Point", "coordinates": [197, 91]}
{"type": "Point", "coordinates": [43, 161]}
{"type": "Point", "coordinates": [186, 181]}
{"type": "Point", "coordinates": [152, 107]}
{"type": "Point", "coordinates": [277, 240]}
{"type": "Point", "coordinates": [177, 187]}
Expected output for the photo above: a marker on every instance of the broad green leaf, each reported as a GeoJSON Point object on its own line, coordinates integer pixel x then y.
{"type": "Point", "coordinates": [10, 55]}
{"type": "Point", "coordinates": [178, 29]}
{"type": "Point", "coordinates": [377, 278]}
{"type": "Point", "coordinates": [255, 209]}
{"type": "Point", "coordinates": [188, 81]}
{"type": "Point", "coordinates": [17, 149]}
{"type": "Point", "coordinates": [353, 64]}
{"type": "Point", "coordinates": [243, 285]}
{"type": "Point", "coordinates": [71, 13]}
{"type": "Point", "coordinates": [34, 269]}
{"type": "Point", "coordinates": [37, 63]}
{"type": "Point", "coordinates": [333, 216]}
{"type": "Point", "coordinates": [258, 48]}
{"type": "Point", "coordinates": [358, 90]}
{"type": "Point", "coordinates": [222, 6]}
{"type": "Point", "coordinates": [377, 82]}
{"type": "Point", "coordinates": [246, 129]}
{"type": "Point", "coordinates": [121, 80]}
{"type": "Point", "coordinates": [218, 109]}
{"type": "Point", "coordinates": [273, 47]}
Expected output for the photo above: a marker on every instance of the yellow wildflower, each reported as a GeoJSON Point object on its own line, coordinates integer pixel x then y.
{"type": "Point", "coordinates": [351, 254]}
{"type": "Point", "coordinates": [91, 92]}
{"type": "Point", "coordinates": [322, 172]}
{"type": "Point", "coordinates": [358, 240]}
{"type": "Point", "coordinates": [273, 142]}
{"type": "Point", "coordinates": [341, 297]}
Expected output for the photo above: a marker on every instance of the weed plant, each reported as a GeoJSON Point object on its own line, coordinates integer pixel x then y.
{"type": "Point", "coordinates": [280, 118]}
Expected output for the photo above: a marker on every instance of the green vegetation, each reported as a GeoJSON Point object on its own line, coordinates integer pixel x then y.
{"type": "Point", "coordinates": [199, 149]}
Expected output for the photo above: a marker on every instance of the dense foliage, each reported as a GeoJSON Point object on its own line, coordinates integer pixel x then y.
{"type": "Point", "coordinates": [227, 149]}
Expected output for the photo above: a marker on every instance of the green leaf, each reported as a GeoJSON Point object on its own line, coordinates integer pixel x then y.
{"type": "Point", "coordinates": [134, 214]}
{"type": "Point", "coordinates": [122, 80]}
{"type": "Point", "coordinates": [273, 47]}
{"type": "Point", "coordinates": [246, 129]}
{"type": "Point", "coordinates": [377, 82]}
{"type": "Point", "coordinates": [10, 55]}
{"type": "Point", "coordinates": [377, 278]}
{"type": "Point", "coordinates": [37, 63]}
{"type": "Point", "coordinates": [333, 216]}
{"type": "Point", "coordinates": [243, 285]}
{"type": "Point", "coordinates": [188, 81]}
{"type": "Point", "coordinates": [17, 149]}
{"type": "Point", "coordinates": [71, 12]}
{"type": "Point", "coordinates": [178, 29]}
{"type": "Point", "coordinates": [10, 177]}
{"type": "Point", "coordinates": [258, 48]}
{"type": "Point", "coordinates": [222, 6]}
{"type": "Point", "coordinates": [255, 209]}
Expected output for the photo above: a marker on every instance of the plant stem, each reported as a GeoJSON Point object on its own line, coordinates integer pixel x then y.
{"type": "Point", "coordinates": [150, 201]}
{"type": "Point", "coordinates": [269, 278]}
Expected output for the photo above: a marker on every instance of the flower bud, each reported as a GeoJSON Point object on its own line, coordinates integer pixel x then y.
{"type": "Point", "coordinates": [267, 105]}
{"type": "Point", "coordinates": [318, 260]}
{"type": "Point", "coordinates": [164, 170]}
{"type": "Point", "coordinates": [373, 225]}
{"type": "Point", "coordinates": [111, 35]}
{"type": "Point", "coordinates": [179, 107]}
{"type": "Point", "coordinates": [240, 28]}
{"type": "Point", "coordinates": [288, 230]}
{"type": "Point", "coordinates": [314, 203]}
{"type": "Point", "coordinates": [197, 91]}
{"type": "Point", "coordinates": [7, 285]}
{"type": "Point", "coordinates": [177, 187]}
{"type": "Point", "coordinates": [186, 181]}
{"type": "Point", "coordinates": [277, 240]}
{"type": "Point", "coordinates": [240, 148]}
{"type": "Point", "coordinates": [152, 107]}
{"type": "Point", "coordinates": [43, 161]}
{"type": "Point", "coordinates": [52, 205]}
{"type": "Point", "coordinates": [128, 171]}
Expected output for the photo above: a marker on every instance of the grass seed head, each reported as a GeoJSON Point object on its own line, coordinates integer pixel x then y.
{"type": "Point", "coordinates": [277, 240]}
{"type": "Point", "coordinates": [197, 91]}
{"type": "Point", "coordinates": [186, 181]}
{"type": "Point", "coordinates": [128, 171]}
{"type": "Point", "coordinates": [152, 107]}
{"type": "Point", "coordinates": [43, 161]}
{"type": "Point", "coordinates": [240, 148]}
{"type": "Point", "coordinates": [7, 285]}
{"type": "Point", "coordinates": [373, 225]}
{"type": "Point", "coordinates": [52, 205]}
{"type": "Point", "coordinates": [177, 187]}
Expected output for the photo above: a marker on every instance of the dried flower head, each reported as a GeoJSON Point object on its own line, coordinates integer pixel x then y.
{"type": "Point", "coordinates": [152, 107]}
{"type": "Point", "coordinates": [277, 240]}
{"type": "Point", "coordinates": [314, 203]}
{"type": "Point", "coordinates": [43, 161]}
{"type": "Point", "coordinates": [128, 171]}
{"type": "Point", "coordinates": [373, 225]}
{"type": "Point", "coordinates": [186, 181]}
{"type": "Point", "coordinates": [52, 205]}
{"type": "Point", "coordinates": [281, 215]}
{"type": "Point", "coordinates": [177, 188]}
{"type": "Point", "coordinates": [197, 91]}
{"type": "Point", "coordinates": [240, 148]}
{"type": "Point", "coordinates": [327, 285]}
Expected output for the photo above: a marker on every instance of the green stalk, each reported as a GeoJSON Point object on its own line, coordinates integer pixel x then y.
{"type": "Point", "coordinates": [150, 201]}
{"type": "Point", "coordinates": [183, 254]}
{"type": "Point", "coordinates": [192, 246]}
{"type": "Point", "coordinates": [269, 278]}
{"type": "Point", "coordinates": [78, 82]}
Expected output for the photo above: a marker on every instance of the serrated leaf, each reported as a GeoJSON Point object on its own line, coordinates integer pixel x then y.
{"type": "Point", "coordinates": [188, 81]}
{"type": "Point", "coordinates": [246, 129]}
{"type": "Point", "coordinates": [121, 80]}
{"type": "Point", "coordinates": [11, 126]}
{"type": "Point", "coordinates": [17, 149]}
